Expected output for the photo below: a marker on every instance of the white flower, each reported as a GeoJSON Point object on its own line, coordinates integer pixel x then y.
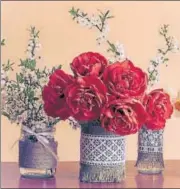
{"type": "Point", "coordinates": [119, 46]}
{"type": "Point", "coordinates": [43, 81]}
{"type": "Point", "coordinates": [3, 98]}
{"type": "Point", "coordinates": [89, 25]}
{"type": "Point", "coordinates": [175, 45]}
{"type": "Point", "coordinates": [30, 44]}
{"type": "Point", "coordinates": [101, 39]}
{"type": "Point", "coordinates": [2, 83]}
{"type": "Point", "coordinates": [80, 13]}
{"type": "Point", "coordinates": [21, 86]}
{"type": "Point", "coordinates": [36, 39]}
{"type": "Point", "coordinates": [29, 48]}
{"type": "Point", "coordinates": [38, 45]}
{"type": "Point", "coordinates": [29, 55]}
{"type": "Point", "coordinates": [159, 59]}
{"type": "Point", "coordinates": [121, 51]}
{"type": "Point", "coordinates": [82, 21]}
{"type": "Point", "coordinates": [32, 58]}
{"type": "Point", "coordinates": [112, 59]}
{"type": "Point", "coordinates": [27, 72]}
{"type": "Point", "coordinates": [74, 123]}
{"type": "Point", "coordinates": [95, 20]}
{"type": "Point", "coordinates": [106, 28]}
{"type": "Point", "coordinates": [3, 77]}
{"type": "Point", "coordinates": [151, 68]}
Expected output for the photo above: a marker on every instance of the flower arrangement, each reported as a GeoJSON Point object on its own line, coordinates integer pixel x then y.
{"type": "Point", "coordinates": [157, 113]}
{"type": "Point", "coordinates": [109, 98]}
{"type": "Point", "coordinates": [22, 104]}
{"type": "Point", "coordinates": [98, 91]}
{"type": "Point", "coordinates": [22, 101]}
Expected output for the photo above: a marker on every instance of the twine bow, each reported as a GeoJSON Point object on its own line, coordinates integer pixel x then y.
{"type": "Point", "coordinates": [42, 138]}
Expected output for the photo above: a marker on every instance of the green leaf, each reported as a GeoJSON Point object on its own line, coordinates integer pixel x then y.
{"type": "Point", "coordinates": [112, 46]}
{"type": "Point", "coordinates": [14, 85]}
{"type": "Point", "coordinates": [106, 13]}
{"type": "Point", "coordinates": [165, 60]}
{"type": "Point", "coordinates": [73, 12]}
{"type": "Point", "coordinates": [59, 67]}
{"type": "Point", "coordinates": [32, 64]}
{"type": "Point", "coordinates": [6, 115]}
{"type": "Point", "coordinates": [19, 78]}
{"type": "Point", "coordinates": [110, 17]}
{"type": "Point", "coordinates": [2, 42]}
{"type": "Point", "coordinates": [101, 12]}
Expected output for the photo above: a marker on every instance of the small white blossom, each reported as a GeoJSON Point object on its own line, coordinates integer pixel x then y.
{"type": "Point", "coordinates": [159, 59]}
{"type": "Point", "coordinates": [30, 44]}
{"type": "Point", "coordinates": [2, 83]}
{"type": "Point", "coordinates": [3, 77]}
{"type": "Point", "coordinates": [21, 118]}
{"type": "Point", "coordinates": [82, 21]}
{"type": "Point", "coordinates": [101, 39]}
{"type": "Point", "coordinates": [36, 39]}
{"type": "Point", "coordinates": [121, 53]}
{"type": "Point", "coordinates": [95, 20]}
{"type": "Point", "coordinates": [29, 48]}
{"type": "Point", "coordinates": [106, 28]}
{"type": "Point", "coordinates": [74, 123]}
{"type": "Point", "coordinates": [3, 98]}
{"type": "Point", "coordinates": [112, 59]}
{"type": "Point", "coordinates": [80, 13]}
{"type": "Point", "coordinates": [89, 25]}
{"type": "Point", "coordinates": [38, 47]}
{"type": "Point", "coordinates": [151, 68]}
{"type": "Point", "coordinates": [43, 81]}
{"type": "Point", "coordinates": [33, 58]}
{"type": "Point", "coordinates": [175, 47]}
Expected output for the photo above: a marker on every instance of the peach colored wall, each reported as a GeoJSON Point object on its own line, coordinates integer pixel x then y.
{"type": "Point", "coordinates": [135, 25]}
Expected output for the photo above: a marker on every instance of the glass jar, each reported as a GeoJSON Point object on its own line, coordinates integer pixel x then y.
{"type": "Point", "coordinates": [102, 154]}
{"type": "Point", "coordinates": [149, 181]}
{"type": "Point", "coordinates": [150, 151]}
{"type": "Point", "coordinates": [37, 156]}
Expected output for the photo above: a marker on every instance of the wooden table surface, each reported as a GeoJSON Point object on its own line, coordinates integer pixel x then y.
{"type": "Point", "coordinates": [67, 177]}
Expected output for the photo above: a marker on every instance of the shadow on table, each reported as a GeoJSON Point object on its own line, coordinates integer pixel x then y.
{"type": "Point", "coordinates": [102, 185]}
{"type": "Point", "coordinates": [37, 183]}
{"type": "Point", "coordinates": [149, 181]}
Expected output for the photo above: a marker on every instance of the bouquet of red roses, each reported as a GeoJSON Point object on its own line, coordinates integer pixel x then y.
{"type": "Point", "coordinates": [114, 93]}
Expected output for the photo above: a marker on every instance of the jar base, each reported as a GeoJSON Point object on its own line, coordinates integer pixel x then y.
{"type": "Point", "coordinates": [37, 173]}
{"type": "Point", "coordinates": [150, 171]}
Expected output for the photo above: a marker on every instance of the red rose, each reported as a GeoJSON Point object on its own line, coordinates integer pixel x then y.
{"type": "Point", "coordinates": [124, 80]}
{"type": "Point", "coordinates": [86, 97]}
{"type": "Point", "coordinates": [123, 117]}
{"type": "Point", "coordinates": [89, 64]}
{"type": "Point", "coordinates": [159, 108]}
{"type": "Point", "coordinates": [53, 95]}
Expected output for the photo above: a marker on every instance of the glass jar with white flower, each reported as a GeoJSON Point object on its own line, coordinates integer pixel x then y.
{"type": "Point", "coordinates": [159, 107]}
{"type": "Point", "coordinates": [22, 104]}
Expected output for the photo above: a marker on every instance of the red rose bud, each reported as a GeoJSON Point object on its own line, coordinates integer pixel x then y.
{"type": "Point", "coordinates": [124, 80]}
{"type": "Point", "coordinates": [89, 63]}
{"type": "Point", "coordinates": [159, 108]}
{"type": "Point", "coordinates": [53, 95]}
{"type": "Point", "coordinates": [86, 97]}
{"type": "Point", "coordinates": [123, 117]}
